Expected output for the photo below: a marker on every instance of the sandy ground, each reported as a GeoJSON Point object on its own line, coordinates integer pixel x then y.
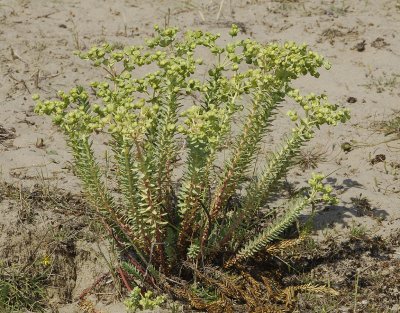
{"type": "Point", "coordinates": [359, 37]}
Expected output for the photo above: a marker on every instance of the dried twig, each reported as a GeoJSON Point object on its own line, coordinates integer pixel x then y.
{"type": "Point", "coordinates": [47, 14]}
{"type": "Point", "coordinates": [36, 80]}
{"type": "Point", "coordinates": [20, 82]}
{"type": "Point", "coordinates": [15, 56]}
{"type": "Point", "coordinates": [89, 289]}
{"type": "Point", "coordinates": [220, 9]}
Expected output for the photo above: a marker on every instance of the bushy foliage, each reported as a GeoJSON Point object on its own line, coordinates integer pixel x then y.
{"type": "Point", "coordinates": [23, 288]}
{"type": "Point", "coordinates": [184, 109]}
{"type": "Point", "coordinates": [142, 302]}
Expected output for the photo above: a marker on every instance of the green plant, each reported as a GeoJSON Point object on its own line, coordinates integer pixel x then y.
{"type": "Point", "coordinates": [22, 288]}
{"type": "Point", "coordinates": [384, 82]}
{"type": "Point", "coordinates": [142, 302]}
{"type": "Point", "coordinates": [358, 231]}
{"type": "Point", "coordinates": [160, 221]}
{"type": "Point", "coordinates": [362, 205]}
{"type": "Point", "coordinates": [391, 126]}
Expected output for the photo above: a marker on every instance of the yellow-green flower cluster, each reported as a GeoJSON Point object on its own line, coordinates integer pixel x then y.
{"type": "Point", "coordinates": [138, 301]}
{"type": "Point", "coordinates": [203, 126]}
{"type": "Point", "coordinates": [193, 251]}
{"type": "Point", "coordinates": [318, 109]}
{"type": "Point", "coordinates": [318, 187]}
{"type": "Point", "coordinates": [130, 105]}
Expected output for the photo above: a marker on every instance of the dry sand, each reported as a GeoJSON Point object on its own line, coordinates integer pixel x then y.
{"type": "Point", "coordinates": [360, 38]}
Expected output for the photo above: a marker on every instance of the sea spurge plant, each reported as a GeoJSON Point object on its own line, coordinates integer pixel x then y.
{"type": "Point", "coordinates": [187, 109]}
{"type": "Point", "coordinates": [147, 301]}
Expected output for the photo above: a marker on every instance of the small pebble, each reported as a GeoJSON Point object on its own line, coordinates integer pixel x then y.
{"type": "Point", "coordinates": [346, 147]}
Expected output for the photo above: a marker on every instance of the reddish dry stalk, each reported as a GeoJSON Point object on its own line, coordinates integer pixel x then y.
{"type": "Point", "coordinates": [215, 210]}
{"type": "Point", "coordinates": [219, 196]}
{"type": "Point", "coordinates": [146, 181]}
{"type": "Point", "coordinates": [114, 215]}
{"type": "Point", "coordinates": [188, 220]}
{"type": "Point", "coordinates": [228, 235]}
{"type": "Point", "coordinates": [135, 263]}
{"type": "Point", "coordinates": [143, 235]}
{"type": "Point", "coordinates": [149, 279]}
{"type": "Point", "coordinates": [159, 251]}
{"type": "Point", "coordinates": [122, 274]}
{"type": "Point", "coordinates": [183, 234]}
{"type": "Point", "coordinates": [132, 260]}
{"type": "Point", "coordinates": [89, 289]}
{"type": "Point", "coordinates": [221, 193]}
{"type": "Point", "coordinates": [122, 225]}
